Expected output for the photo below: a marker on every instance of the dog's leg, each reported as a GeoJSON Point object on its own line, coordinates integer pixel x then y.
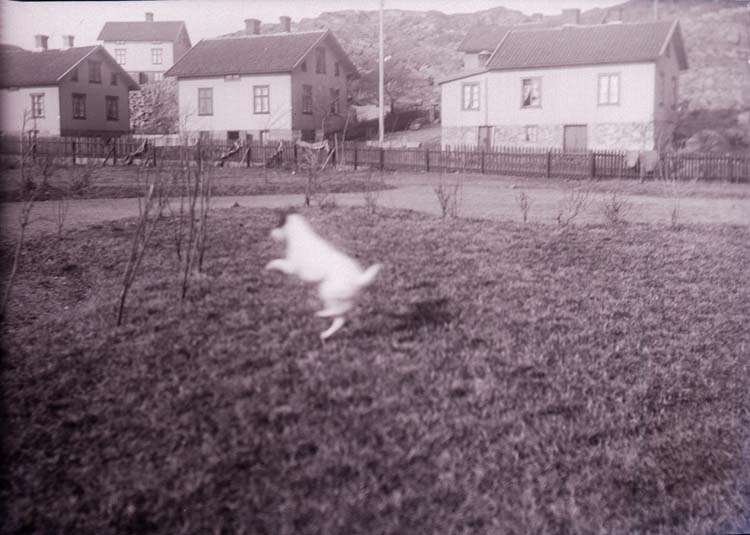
{"type": "Point", "coordinates": [281, 264]}
{"type": "Point", "coordinates": [338, 322]}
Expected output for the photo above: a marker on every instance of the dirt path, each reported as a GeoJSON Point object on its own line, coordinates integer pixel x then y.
{"type": "Point", "coordinates": [480, 198]}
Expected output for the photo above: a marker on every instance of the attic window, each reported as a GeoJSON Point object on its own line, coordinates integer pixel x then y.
{"type": "Point", "coordinates": [336, 69]}
{"type": "Point", "coordinates": [231, 77]}
{"type": "Point", "coordinates": [320, 60]}
{"type": "Point", "coordinates": [484, 56]}
{"type": "Point", "coordinates": [95, 72]}
{"type": "Point", "coordinates": [113, 81]}
{"type": "Point", "coordinates": [74, 75]}
{"type": "Point", "coordinates": [119, 42]}
{"type": "Point", "coordinates": [303, 66]}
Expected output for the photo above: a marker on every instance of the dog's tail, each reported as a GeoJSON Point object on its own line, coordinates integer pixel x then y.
{"type": "Point", "coordinates": [369, 275]}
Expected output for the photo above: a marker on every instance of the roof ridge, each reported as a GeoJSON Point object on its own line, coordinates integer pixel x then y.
{"type": "Point", "coordinates": [262, 35]}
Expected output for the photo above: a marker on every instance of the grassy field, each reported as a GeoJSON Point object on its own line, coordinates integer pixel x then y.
{"type": "Point", "coordinates": [124, 181]}
{"type": "Point", "coordinates": [497, 378]}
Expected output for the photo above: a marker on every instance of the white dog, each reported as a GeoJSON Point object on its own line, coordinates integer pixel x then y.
{"type": "Point", "coordinates": [312, 259]}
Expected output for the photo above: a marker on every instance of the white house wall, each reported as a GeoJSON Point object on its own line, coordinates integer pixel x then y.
{"type": "Point", "coordinates": [13, 104]}
{"type": "Point", "coordinates": [569, 96]}
{"type": "Point", "coordinates": [233, 106]}
{"type": "Point", "coordinates": [138, 55]}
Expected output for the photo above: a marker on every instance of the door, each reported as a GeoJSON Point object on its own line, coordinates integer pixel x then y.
{"type": "Point", "coordinates": [485, 137]}
{"type": "Point", "coordinates": [575, 138]}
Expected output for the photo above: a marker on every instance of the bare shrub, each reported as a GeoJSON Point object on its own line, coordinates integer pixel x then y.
{"type": "Point", "coordinates": [524, 203]}
{"type": "Point", "coordinates": [614, 208]}
{"type": "Point", "coordinates": [574, 204]}
{"type": "Point", "coordinates": [667, 170]}
{"type": "Point", "coordinates": [449, 197]}
{"type": "Point", "coordinates": [371, 195]}
{"type": "Point", "coordinates": [81, 177]}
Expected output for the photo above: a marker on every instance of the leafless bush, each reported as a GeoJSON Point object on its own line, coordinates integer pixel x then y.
{"type": "Point", "coordinates": [573, 205]}
{"type": "Point", "coordinates": [667, 171]}
{"type": "Point", "coordinates": [371, 195]}
{"type": "Point", "coordinates": [449, 197]}
{"type": "Point", "coordinates": [150, 211]}
{"type": "Point", "coordinates": [614, 208]}
{"type": "Point", "coordinates": [314, 162]}
{"type": "Point", "coordinates": [81, 177]}
{"type": "Point", "coordinates": [524, 203]}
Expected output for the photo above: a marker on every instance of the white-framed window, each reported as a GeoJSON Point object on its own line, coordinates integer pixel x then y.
{"type": "Point", "coordinates": [231, 77]}
{"type": "Point", "coordinates": [79, 106]}
{"type": "Point", "coordinates": [261, 99]}
{"type": "Point", "coordinates": [205, 101]}
{"type": "Point", "coordinates": [334, 100]}
{"type": "Point", "coordinates": [531, 92]}
{"type": "Point", "coordinates": [113, 108]}
{"type": "Point", "coordinates": [121, 55]}
{"type": "Point", "coordinates": [307, 99]}
{"type": "Point", "coordinates": [470, 96]}
{"type": "Point", "coordinates": [609, 88]}
{"type": "Point", "coordinates": [119, 42]}
{"type": "Point", "coordinates": [37, 105]}
{"type": "Point", "coordinates": [531, 133]}
{"type": "Point", "coordinates": [156, 56]}
{"type": "Point", "coordinates": [158, 76]}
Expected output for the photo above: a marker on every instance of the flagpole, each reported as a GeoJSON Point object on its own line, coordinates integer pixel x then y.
{"type": "Point", "coordinates": [380, 79]}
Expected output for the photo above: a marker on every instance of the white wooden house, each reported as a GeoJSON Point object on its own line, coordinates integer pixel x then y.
{"type": "Point", "coordinates": [604, 86]}
{"type": "Point", "coordinates": [275, 86]}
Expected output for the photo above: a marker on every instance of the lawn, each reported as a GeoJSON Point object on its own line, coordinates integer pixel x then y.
{"type": "Point", "coordinates": [497, 378]}
{"type": "Point", "coordinates": [128, 181]}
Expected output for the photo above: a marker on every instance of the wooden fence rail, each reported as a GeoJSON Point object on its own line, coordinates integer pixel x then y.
{"type": "Point", "coordinates": [522, 162]}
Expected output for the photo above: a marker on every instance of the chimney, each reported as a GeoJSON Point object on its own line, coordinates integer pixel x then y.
{"type": "Point", "coordinates": [571, 16]}
{"type": "Point", "coordinates": [286, 24]}
{"type": "Point", "coordinates": [41, 42]}
{"type": "Point", "coordinates": [67, 42]}
{"type": "Point", "coordinates": [252, 26]}
{"type": "Point", "coordinates": [149, 17]}
{"type": "Point", "coordinates": [536, 17]}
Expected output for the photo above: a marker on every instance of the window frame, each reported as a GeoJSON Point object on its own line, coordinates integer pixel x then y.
{"type": "Point", "coordinates": [320, 60]}
{"type": "Point", "coordinates": [608, 101]}
{"type": "Point", "coordinates": [208, 101]}
{"type": "Point", "coordinates": [335, 96]}
{"type": "Point", "coordinates": [157, 53]}
{"type": "Point", "coordinates": [74, 75]}
{"type": "Point", "coordinates": [470, 104]}
{"type": "Point", "coordinates": [121, 53]}
{"type": "Point", "coordinates": [336, 68]}
{"type": "Point", "coordinates": [662, 84]}
{"type": "Point", "coordinates": [531, 79]}
{"type": "Point", "coordinates": [112, 102]}
{"type": "Point", "coordinates": [114, 79]}
{"type": "Point", "coordinates": [531, 133]}
{"type": "Point", "coordinates": [307, 99]}
{"type": "Point", "coordinates": [262, 95]}
{"type": "Point", "coordinates": [37, 102]}
{"type": "Point", "coordinates": [95, 71]}
{"type": "Point", "coordinates": [79, 98]}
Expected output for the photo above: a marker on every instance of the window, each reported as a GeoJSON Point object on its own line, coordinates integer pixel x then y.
{"type": "Point", "coordinates": [142, 78]}
{"type": "Point", "coordinates": [483, 57]}
{"type": "Point", "coordinates": [205, 101]}
{"type": "Point", "coordinates": [470, 99]}
{"type": "Point", "coordinates": [334, 100]}
{"type": "Point", "coordinates": [120, 55]}
{"type": "Point", "coordinates": [661, 89]}
{"type": "Point", "coordinates": [303, 66]}
{"type": "Point", "coordinates": [119, 42]}
{"type": "Point", "coordinates": [264, 135]}
{"type": "Point", "coordinates": [79, 106]}
{"type": "Point", "coordinates": [95, 72]}
{"type": "Point", "coordinates": [113, 108]}
{"type": "Point", "coordinates": [261, 99]}
{"type": "Point", "coordinates": [531, 133]}
{"type": "Point", "coordinates": [531, 93]}
{"type": "Point", "coordinates": [158, 76]}
{"type": "Point", "coordinates": [156, 56]}
{"type": "Point", "coordinates": [336, 69]}
{"type": "Point", "coordinates": [74, 75]}
{"type": "Point", "coordinates": [609, 89]}
{"type": "Point", "coordinates": [37, 105]}
{"type": "Point", "coordinates": [667, 51]}
{"type": "Point", "coordinates": [307, 99]}
{"type": "Point", "coordinates": [113, 80]}
{"type": "Point", "coordinates": [231, 77]}
{"type": "Point", "coordinates": [674, 92]}
{"type": "Point", "coordinates": [320, 60]}
{"type": "Point", "coordinates": [233, 135]}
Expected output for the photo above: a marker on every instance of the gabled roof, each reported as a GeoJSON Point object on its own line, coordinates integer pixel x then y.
{"type": "Point", "coordinates": [141, 30]}
{"type": "Point", "coordinates": [587, 45]}
{"type": "Point", "coordinates": [254, 54]}
{"type": "Point", "coordinates": [24, 68]}
{"type": "Point", "coordinates": [487, 36]}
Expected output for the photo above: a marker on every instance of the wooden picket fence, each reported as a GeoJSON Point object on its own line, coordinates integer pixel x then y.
{"type": "Point", "coordinates": [513, 161]}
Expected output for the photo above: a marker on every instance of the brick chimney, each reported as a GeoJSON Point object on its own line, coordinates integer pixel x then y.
{"type": "Point", "coordinates": [571, 16]}
{"type": "Point", "coordinates": [252, 26]}
{"type": "Point", "coordinates": [41, 42]}
{"type": "Point", "coordinates": [67, 41]}
{"type": "Point", "coordinates": [149, 17]}
{"type": "Point", "coordinates": [286, 24]}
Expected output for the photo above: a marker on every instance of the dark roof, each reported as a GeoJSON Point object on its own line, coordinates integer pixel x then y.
{"type": "Point", "coordinates": [253, 54]}
{"type": "Point", "coordinates": [162, 30]}
{"type": "Point", "coordinates": [488, 36]}
{"type": "Point", "coordinates": [587, 45]}
{"type": "Point", "coordinates": [9, 48]}
{"type": "Point", "coordinates": [27, 69]}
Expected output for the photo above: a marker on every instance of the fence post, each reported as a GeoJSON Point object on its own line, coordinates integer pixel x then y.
{"type": "Point", "coordinates": [549, 164]}
{"type": "Point", "coordinates": [295, 155]}
{"type": "Point", "coordinates": [382, 159]}
{"type": "Point", "coordinates": [593, 164]}
{"type": "Point", "coordinates": [427, 159]}
{"type": "Point", "coordinates": [355, 157]}
{"type": "Point", "coordinates": [114, 152]}
{"type": "Point", "coordinates": [73, 150]}
{"type": "Point", "coordinates": [482, 164]}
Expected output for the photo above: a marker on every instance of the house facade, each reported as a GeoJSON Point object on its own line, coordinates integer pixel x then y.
{"type": "Point", "coordinates": [78, 91]}
{"type": "Point", "coordinates": [233, 88]}
{"type": "Point", "coordinates": [146, 49]}
{"type": "Point", "coordinates": [606, 86]}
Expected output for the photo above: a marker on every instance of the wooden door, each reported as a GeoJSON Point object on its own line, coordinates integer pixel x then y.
{"type": "Point", "coordinates": [575, 138]}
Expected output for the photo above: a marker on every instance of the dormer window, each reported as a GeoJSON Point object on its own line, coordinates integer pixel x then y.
{"type": "Point", "coordinates": [484, 56]}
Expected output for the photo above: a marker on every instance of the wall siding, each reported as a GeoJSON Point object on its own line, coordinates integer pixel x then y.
{"type": "Point", "coordinates": [138, 55]}
{"type": "Point", "coordinates": [13, 104]}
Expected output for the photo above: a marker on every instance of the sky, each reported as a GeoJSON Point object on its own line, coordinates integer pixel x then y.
{"type": "Point", "coordinates": [20, 21]}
